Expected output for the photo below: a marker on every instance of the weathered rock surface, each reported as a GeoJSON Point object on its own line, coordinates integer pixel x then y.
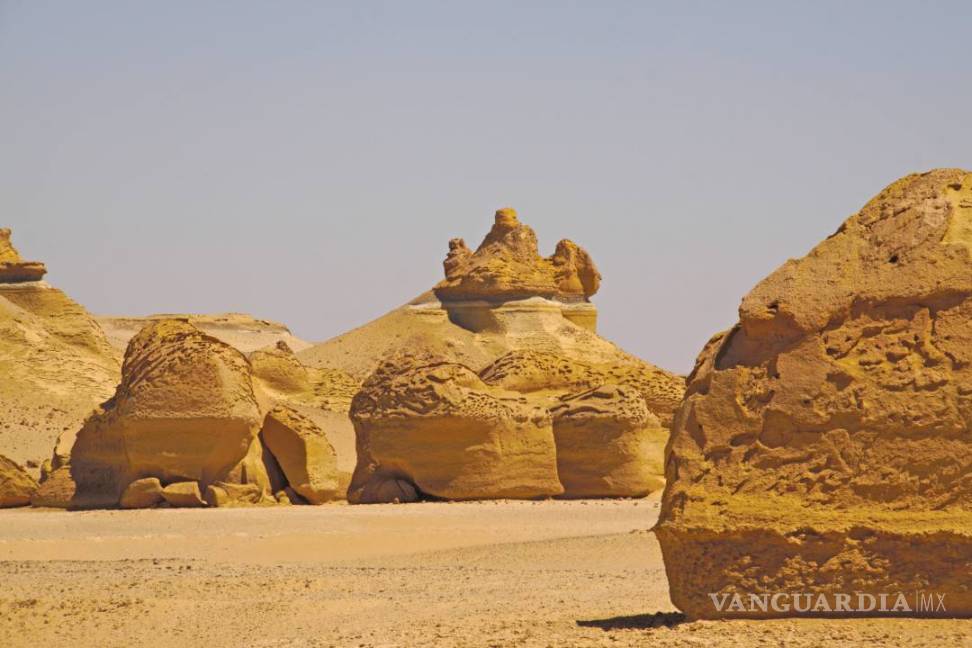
{"type": "Point", "coordinates": [433, 424]}
{"type": "Point", "coordinates": [507, 266]}
{"type": "Point", "coordinates": [608, 444]}
{"type": "Point", "coordinates": [16, 486]}
{"type": "Point", "coordinates": [13, 269]}
{"type": "Point", "coordinates": [142, 493]}
{"type": "Point", "coordinates": [183, 495]}
{"type": "Point", "coordinates": [184, 411]}
{"type": "Point", "coordinates": [55, 362]}
{"type": "Point", "coordinates": [282, 376]}
{"type": "Point", "coordinates": [303, 453]}
{"type": "Point", "coordinates": [823, 447]}
{"type": "Point", "coordinates": [224, 495]}
{"type": "Point", "coordinates": [56, 490]}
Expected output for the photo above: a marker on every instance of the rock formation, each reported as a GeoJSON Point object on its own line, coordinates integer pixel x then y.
{"type": "Point", "coordinates": [823, 446]}
{"type": "Point", "coordinates": [608, 444]}
{"type": "Point", "coordinates": [524, 324]}
{"type": "Point", "coordinates": [434, 424]}
{"type": "Point", "coordinates": [286, 380]}
{"type": "Point", "coordinates": [303, 453]}
{"type": "Point", "coordinates": [13, 269]}
{"type": "Point", "coordinates": [183, 494]}
{"type": "Point", "coordinates": [142, 493]}
{"type": "Point", "coordinates": [16, 486]}
{"type": "Point", "coordinates": [507, 266]}
{"type": "Point", "coordinates": [55, 362]}
{"type": "Point", "coordinates": [184, 411]}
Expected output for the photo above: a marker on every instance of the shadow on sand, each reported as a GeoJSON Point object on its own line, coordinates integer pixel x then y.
{"type": "Point", "coordinates": [636, 621]}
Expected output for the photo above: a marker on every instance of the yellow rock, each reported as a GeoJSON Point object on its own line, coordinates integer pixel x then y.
{"type": "Point", "coordinates": [608, 444]}
{"type": "Point", "coordinates": [507, 265]}
{"type": "Point", "coordinates": [57, 490]}
{"type": "Point", "coordinates": [142, 493]}
{"type": "Point", "coordinates": [823, 445]}
{"type": "Point", "coordinates": [55, 362]}
{"type": "Point", "coordinates": [13, 269]}
{"type": "Point", "coordinates": [184, 411]}
{"type": "Point", "coordinates": [224, 495]}
{"type": "Point", "coordinates": [304, 454]}
{"type": "Point", "coordinates": [16, 486]}
{"type": "Point", "coordinates": [437, 426]}
{"type": "Point", "coordinates": [183, 495]}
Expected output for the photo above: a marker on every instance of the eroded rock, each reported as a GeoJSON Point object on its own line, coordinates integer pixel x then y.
{"type": "Point", "coordinates": [142, 493]}
{"type": "Point", "coordinates": [16, 486]}
{"type": "Point", "coordinates": [303, 453]}
{"type": "Point", "coordinates": [437, 426]}
{"type": "Point", "coordinates": [608, 444]}
{"type": "Point", "coordinates": [823, 446]}
{"type": "Point", "coordinates": [184, 411]}
{"type": "Point", "coordinates": [507, 266]}
{"type": "Point", "coordinates": [183, 495]}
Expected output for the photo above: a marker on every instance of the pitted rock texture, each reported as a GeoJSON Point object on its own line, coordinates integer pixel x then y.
{"type": "Point", "coordinates": [507, 265]}
{"type": "Point", "coordinates": [419, 412]}
{"type": "Point", "coordinates": [434, 424]}
{"type": "Point", "coordinates": [539, 371]}
{"type": "Point", "coordinates": [13, 269]}
{"type": "Point", "coordinates": [184, 411]}
{"type": "Point", "coordinates": [824, 443]}
{"type": "Point", "coordinates": [608, 444]}
{"type": "Point", "coordinates": [16, 486]}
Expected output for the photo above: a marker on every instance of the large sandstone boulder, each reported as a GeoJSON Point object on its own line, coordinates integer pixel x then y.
{"type": "Point", "coordinates": [608, 444]}
{"type": "Point", "coordinates": [437, 426]}
{"type": "Point", "coordinates": [185, 411]}
{"type": "Point", "coordinates": [303, 453]}
{"type": "Point", "coordinates": [16, 486]}
{"type": "Point", "coordinates": [823, 449]}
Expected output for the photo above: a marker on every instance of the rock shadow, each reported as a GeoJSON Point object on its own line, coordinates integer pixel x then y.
{"type": "Point", "coordinates": [636, 621]}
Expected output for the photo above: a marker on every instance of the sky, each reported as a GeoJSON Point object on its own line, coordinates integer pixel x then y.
{"type": "Point", "coordinates": [308, 162]}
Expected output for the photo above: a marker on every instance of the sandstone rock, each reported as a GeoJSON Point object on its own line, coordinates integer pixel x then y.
{"type": "Point", "coordinates": [183, 495]}
{"type": "Point", "coordinates": [823, 445]}
{"type": "Point", "coordinates": [184, 411]}
{"type": "Point", "coordinates": [55, 362]}
{"type": "Point", "coordinates": [224, 495]}
{"type": "Point", "coordinates": [529, 371]}
{"type": "Point", "coordinates": [280, 375]}
{"type": "Point", "coordinates": [437, 426]}
{"type": "Point", "coordinates": [13, 269]}
{"type": "Point", "coordinates": [142, 493]}
{"type": "Point", "coordinates": [280, 370]}
{"type": "Point", "coordinates": [303, 453]}
{"type": "Point", "coordinates": [507, 265]}
{"type": "Point", "coordinates": [56, 491]}
{"type": "Point", "coordinates": [608, 444]}
{"type": "Point", "coordinates": [16, 486]}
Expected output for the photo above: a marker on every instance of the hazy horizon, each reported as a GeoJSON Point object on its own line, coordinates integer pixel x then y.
{"type": "Point", "coordinates": [308, 163]}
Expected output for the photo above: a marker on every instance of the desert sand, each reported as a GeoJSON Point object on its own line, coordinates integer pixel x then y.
{"type": "Point", "coordinates": [497, 573]}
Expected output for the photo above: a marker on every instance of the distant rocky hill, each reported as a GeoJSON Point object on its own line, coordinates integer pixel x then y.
{"type": "Point", "coordinates": [244, 332]}
{"type": "Point", "coordinates": [55, 362]}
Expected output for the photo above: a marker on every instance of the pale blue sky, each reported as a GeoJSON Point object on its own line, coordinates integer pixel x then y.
{"type": "Point", "coordinates": [308, 162]}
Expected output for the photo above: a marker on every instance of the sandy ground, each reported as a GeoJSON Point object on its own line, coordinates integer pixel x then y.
{"type": "Point", "coordinates": [470, 574]}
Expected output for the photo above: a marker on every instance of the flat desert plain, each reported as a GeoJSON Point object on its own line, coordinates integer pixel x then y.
{"type": "Point", "coordinates": [499, 573]}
